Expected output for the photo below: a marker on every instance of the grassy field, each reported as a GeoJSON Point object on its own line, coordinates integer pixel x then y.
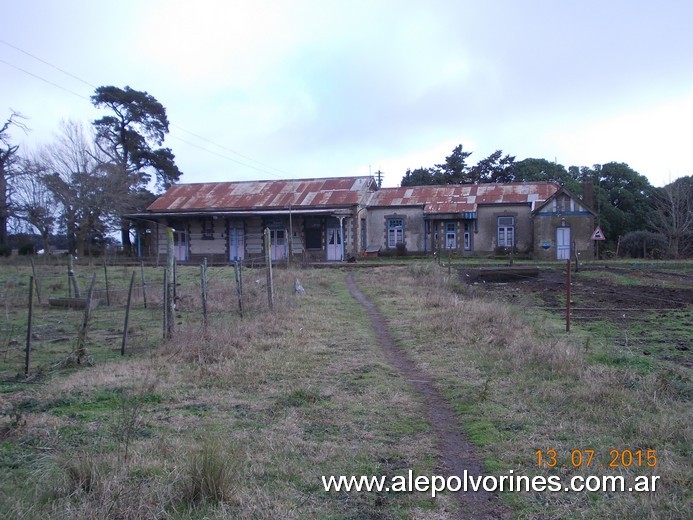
{"type": "Point", "coordinates": [240, 420]}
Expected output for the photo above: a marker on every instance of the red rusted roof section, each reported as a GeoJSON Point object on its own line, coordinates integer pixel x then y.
{"type": "Point", "coordinates": [255, 195]}
{"type": "Point", "coordinates": [461, 198]}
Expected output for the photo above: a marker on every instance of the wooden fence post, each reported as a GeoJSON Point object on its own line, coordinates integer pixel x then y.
{"type": "Point", "coordinates": [36, 282]}
{"type": "Point", "coordinates": [239, 287]}
{"type": "Point", "coordinates": [169, 308]}
{"type": "Point", "coordinates": [567, 297]}
{"type": "Point", "coordinates": [127, 315]}
{"type": "Point", "coordinates": [165, 305]}
{"type": "Point", "coordinates": [28, 327]}
{"type": "Point", "coordinates": [144, 284]}
{"type": "Point", "coordinates": [71, 279]}
{"type": "Point", "coordinates": [268, 260]}
{"type": "Point", "coordinates": [108, 292]}
{"type": "Point", "coordinates": [80, 351]}
{"type": "Point", "coordinates": [203, 291]}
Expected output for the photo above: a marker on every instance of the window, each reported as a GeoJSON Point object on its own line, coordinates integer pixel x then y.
{"type": "Point", "coordinates": [506, 231]}
{"type": "Point", "coordinates": [450, 235]}
{"type": "Point", "coordinates": [207, 229]}
{"type": "Point", "coordinates": [561, 204]}
{"type": "Point", "coordinates": [395, 232]}
{"type": "Point", "coordinates": [467, 237]}
{"type": "Point", "coordinates": [313, 230]}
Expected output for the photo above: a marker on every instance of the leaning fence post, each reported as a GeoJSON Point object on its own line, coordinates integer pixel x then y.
{"type": "Point", "coordinates": [28, 327]}
{"type": "Point", "coordinates": [127, 315]}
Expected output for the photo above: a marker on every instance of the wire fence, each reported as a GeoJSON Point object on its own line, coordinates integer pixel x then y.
{"type": "Point", "coordinates": [46, 334]}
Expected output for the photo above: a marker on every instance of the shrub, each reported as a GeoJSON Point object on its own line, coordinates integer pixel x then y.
{"type": "Point", "coordinates": [26, 249]}
{"type": "Point", "coordinates": [643, 244]}
{"type": "Point", "coordinates": [5, 250]}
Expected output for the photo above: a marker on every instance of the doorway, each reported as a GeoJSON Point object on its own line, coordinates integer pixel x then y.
{"type": "Point", "coordinates": [563, 243]}
{"type": "Point", "coordinates": [334, 243]}
{"type": "Point", "coordinates": [180, 246]}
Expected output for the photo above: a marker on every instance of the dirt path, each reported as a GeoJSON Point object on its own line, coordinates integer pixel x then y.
{"type": "Point", "coordinates": [456, 452]}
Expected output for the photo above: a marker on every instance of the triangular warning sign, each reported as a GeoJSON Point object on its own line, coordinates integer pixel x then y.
{"type": "Point", "coordinates": [598, 234]}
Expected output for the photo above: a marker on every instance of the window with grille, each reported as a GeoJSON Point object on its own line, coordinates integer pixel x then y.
{"type": "Point", "coordinates": [450, 235]}
{"type": "Point", "coordinates": [207, 229]}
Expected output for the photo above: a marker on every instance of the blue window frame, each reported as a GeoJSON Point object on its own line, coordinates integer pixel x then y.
{"type": "Point", "coordinates": [395, 232]}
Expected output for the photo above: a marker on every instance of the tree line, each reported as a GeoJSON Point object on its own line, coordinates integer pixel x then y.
{"type": "Point", "coordinates": [629, 208]}
{"type": "Point", "coordinates": [88, 177]}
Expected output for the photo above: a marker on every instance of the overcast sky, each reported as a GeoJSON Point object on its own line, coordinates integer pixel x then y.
{"type": "Point", "coordinates": [306, 88]}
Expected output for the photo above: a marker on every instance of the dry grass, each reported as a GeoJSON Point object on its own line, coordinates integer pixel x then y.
{"type": "Point", "coordinates": [520, 384]}
{"type": "Point", "coordinates": [240, 420]}
{"type": "Point", "coordinates": [236, 421]}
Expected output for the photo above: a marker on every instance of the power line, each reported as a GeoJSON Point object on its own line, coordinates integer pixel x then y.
{"type": "Point", "coordinates": [43, 79]}
{"type": "Point", "coordinates": [282, 172]}
{"type": "Point", "coordinates": [223, 156]}
{"type": "Point", "coordinates": [227, 149]}
{"type": "Point", "coordinates": [47, 63]}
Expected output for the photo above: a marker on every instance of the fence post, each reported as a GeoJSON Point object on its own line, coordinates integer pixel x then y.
{"type": "Point", "coordinates": [169, 308]}
{"type": "Point", "coordinates": [144, 284]}
{"type": "Point", "coordinates": [239, 287]}
{"type": "Point", "coordinates": [36, 283]}
{"type": "Point", "coordinates": [71, 279]}
{"type": "Point", "coordinates": [28, 327]}
{"type": "Point", "coordinates": [567, 297]}
{"type": "Point", "coordinates": [108, 291]}
{"type": "Point", "coordinates": [127, 315]}
{"type": "Point", "coordinates": [268, 261]}
{"type": "Point", "coordinates": [165, 305]}
{"type": "Point", "coordinates": [82, 336]}
{"type": "Point", "coordinates": [203, 291]}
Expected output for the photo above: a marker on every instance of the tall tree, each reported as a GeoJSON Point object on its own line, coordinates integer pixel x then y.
{"type": "Point", "coordinates": [494, 168]}
{"type": "Point", "coordinates": [34, 202]}
{"type": "Point", "coordinates": [129, 137]}
{"type": "Point", "coordinates": [418, 177]}
{"type": "Point", "coordinates": [622, 198]}
{"type": "Point", "coordinates": [8, 158]}
{"type": "Point", "coordinates": [73, 170]}
{"type": "Point", "coordinates": [454, 169]}
{"type": "Point", "coordinates": [542, 170]}
{"type": "Point", "coordinates": [672, 215]}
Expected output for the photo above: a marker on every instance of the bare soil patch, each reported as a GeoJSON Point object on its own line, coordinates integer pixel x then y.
{"type": "Point", "coordinates": [456, 452]}
{"type": "Point", "coordinates": [642, 305]}
{"type": "Point", "coordinates": [656, 290]}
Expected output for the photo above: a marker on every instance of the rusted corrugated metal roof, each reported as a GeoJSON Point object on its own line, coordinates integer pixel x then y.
{"type": "Point", "coordinates": [462, 198]}
{"type": "Point", "coordinates": [255, 195]}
